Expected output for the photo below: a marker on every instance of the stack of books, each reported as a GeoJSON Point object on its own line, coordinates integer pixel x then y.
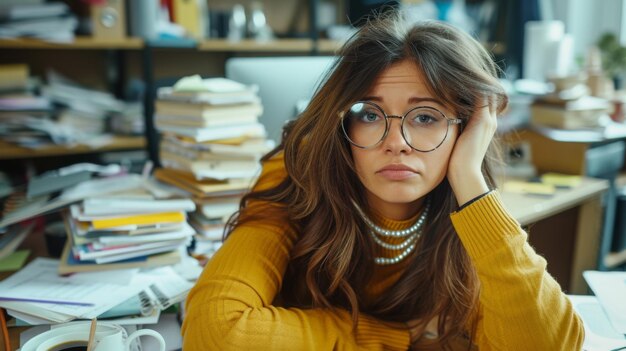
{"type": "Point", "coordinates": [124, 231]}
{"type": "Point", "coordinates": [570, 108]}
{"type": "Point", "coordinates": [211, 145]}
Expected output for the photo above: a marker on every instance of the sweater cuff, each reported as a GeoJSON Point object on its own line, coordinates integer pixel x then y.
{"type": "Point", "coordinates": [373, 332]}
{"type": "Point", "coordinates": [484, 224]}
{"type": "Point", "coordinates": [474, 200]}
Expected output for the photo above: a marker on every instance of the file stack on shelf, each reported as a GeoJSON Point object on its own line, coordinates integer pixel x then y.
{"type": "Point", "coordinates": [570, 107]}
{"type": "Point", "coordinates": [46, 21]}
{"type": "Point", "coordinates": [88, 114]}
{"type": "Point", "coordinates": [211, 145]}
{"type": "Point", "coordinates": [65, 113]}
{"type": "Point", "coordinates": [24, 117]}
{"type": "Point", "coordinates": [125, 230]}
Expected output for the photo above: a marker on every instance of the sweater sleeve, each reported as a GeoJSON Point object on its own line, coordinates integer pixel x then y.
{"type": "Point", "coordinates": [230, 307]}
{"type": "Point", "coordinates": [520, 303]}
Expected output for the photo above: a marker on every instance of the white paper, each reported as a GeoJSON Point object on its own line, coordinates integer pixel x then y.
{"type": "Point", "coordinates": [185, 232]}
{"type": "Point", "coordinates": [32, 313]}
{"type": "Point", "coordinates": [39, 285]}
{"type": "Point", "coordinates": [38, 319]}
{"type": "Point", "coordinates": [599, 333]}
{"type": "Point", "coordinates": [97, 208]}
{"type": "Point", "coordinates": [610, 289]}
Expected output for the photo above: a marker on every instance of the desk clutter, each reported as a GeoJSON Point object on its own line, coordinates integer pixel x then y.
{"type": "Point", "coordinates": [132, 244]}
{"type": "Point", "coordinates": [124, 257]}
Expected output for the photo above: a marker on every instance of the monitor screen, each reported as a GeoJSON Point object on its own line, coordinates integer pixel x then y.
{"type": "Point", "coordinates": [284, 84]}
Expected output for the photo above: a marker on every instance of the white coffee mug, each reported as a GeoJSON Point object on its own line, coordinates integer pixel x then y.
{"type": "Point", "coordinates": [107, 337]}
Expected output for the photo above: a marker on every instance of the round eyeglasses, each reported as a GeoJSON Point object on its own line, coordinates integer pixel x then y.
{"type": "Point", "coordinates": [424, 128]}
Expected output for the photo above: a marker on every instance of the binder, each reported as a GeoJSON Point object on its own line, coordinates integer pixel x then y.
{"type": "Point", "coordinates": [191, 15]}
{"type": "Point", "coordinates": [139, 304]}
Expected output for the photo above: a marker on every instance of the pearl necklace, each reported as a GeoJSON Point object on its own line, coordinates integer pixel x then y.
{"type": "Point", "coordinates": [408, 245]}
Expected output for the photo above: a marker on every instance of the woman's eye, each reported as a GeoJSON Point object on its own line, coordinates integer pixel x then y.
{"type": "Point", "coordinates": [424, 119]}
{"type": "Point", "coordinates": [370, 117]}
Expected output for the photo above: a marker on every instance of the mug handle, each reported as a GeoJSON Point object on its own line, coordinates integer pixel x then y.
{"type": "Point", "coordinates": [145, 332]}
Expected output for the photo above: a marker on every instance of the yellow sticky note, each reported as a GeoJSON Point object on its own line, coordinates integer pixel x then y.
{"type": "Point", "coordinates": [520, 187]}
{"type": "Point", "coordinates": [558, 179]}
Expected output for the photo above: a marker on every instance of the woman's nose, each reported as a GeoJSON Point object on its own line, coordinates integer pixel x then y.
{"type": "Point", "coordinates": [394, 141]}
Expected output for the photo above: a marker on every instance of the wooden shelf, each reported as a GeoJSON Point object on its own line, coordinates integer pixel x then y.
{"type": "Point", "coordinates": [327, 46]}
{"type": "Point", "coordinates": [12, 151]}
{"type": "Point", "coordinates": [248, 45]}
{"type": "Point", "coordinates": [78, 43]}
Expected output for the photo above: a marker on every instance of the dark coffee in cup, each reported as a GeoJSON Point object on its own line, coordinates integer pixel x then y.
{"type": "Point", "coordinates": [72, 345]}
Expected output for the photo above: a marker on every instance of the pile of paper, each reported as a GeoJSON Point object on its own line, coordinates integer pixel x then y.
{"type": "Point", "coordinates": [113, 220]}
{"type": "Point", "coordinates": [56, 189]}
{"type": "Point", "coordinates": [65, 114]}
{"type": "Point", "coordinates": [122, 230]}
{"type": "Point", "coordinates": [38, 295]}
{"type": "Point", "coordinates": [49, 21]}
{"type": "Point", "coordinates": [211, 146]}
{"type": "Point", "coordinates": [211, 128]}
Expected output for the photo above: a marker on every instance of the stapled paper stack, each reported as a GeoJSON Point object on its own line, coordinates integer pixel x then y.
{"type": "Point", "coordinates": [211, 145]}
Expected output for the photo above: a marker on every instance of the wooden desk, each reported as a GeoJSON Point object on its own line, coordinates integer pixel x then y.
{"type": "Point", "coordinates": [599, 154]}
{"type": "Point", "coordinates": [565, 228]}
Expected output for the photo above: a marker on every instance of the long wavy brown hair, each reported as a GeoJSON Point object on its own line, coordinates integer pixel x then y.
{"type": "Point", "coordinates": [332, 258]}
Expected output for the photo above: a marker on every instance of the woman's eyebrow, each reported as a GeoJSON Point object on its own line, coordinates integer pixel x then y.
{"type": "Point", "coordinates": [412, 100]}
{"type": "Point", "coordinates": [416, 100]}
{"type": "Point", "coordinates": [372, 98]}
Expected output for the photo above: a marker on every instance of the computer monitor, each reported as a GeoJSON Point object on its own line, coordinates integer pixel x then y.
{"type": "Point", "coordinates": [284, 83]}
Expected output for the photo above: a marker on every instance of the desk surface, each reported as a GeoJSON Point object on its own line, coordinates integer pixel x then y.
{"type": "Point", "coordinates": [528, 209]}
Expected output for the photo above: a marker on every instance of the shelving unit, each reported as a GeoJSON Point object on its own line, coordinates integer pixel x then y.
{"type": "Point", "coordinates": [115, 72]}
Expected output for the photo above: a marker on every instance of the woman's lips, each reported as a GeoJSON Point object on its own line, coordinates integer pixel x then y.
{"type": "Point", "coordinates": [397, 172]}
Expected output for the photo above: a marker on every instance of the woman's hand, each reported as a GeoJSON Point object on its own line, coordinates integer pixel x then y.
{"type": "Point", "coordinates": [464, 168]}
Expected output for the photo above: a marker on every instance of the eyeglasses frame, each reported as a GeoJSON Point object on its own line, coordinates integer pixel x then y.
{"type": "Point", "coordinates": [402, 118]}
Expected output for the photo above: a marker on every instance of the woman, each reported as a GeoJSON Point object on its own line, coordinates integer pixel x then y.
{"type": "Point", "coordinates": [373, 225]}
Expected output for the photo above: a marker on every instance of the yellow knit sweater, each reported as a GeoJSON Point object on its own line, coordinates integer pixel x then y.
{"type": "Point", "coordinates": [230, 307]}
